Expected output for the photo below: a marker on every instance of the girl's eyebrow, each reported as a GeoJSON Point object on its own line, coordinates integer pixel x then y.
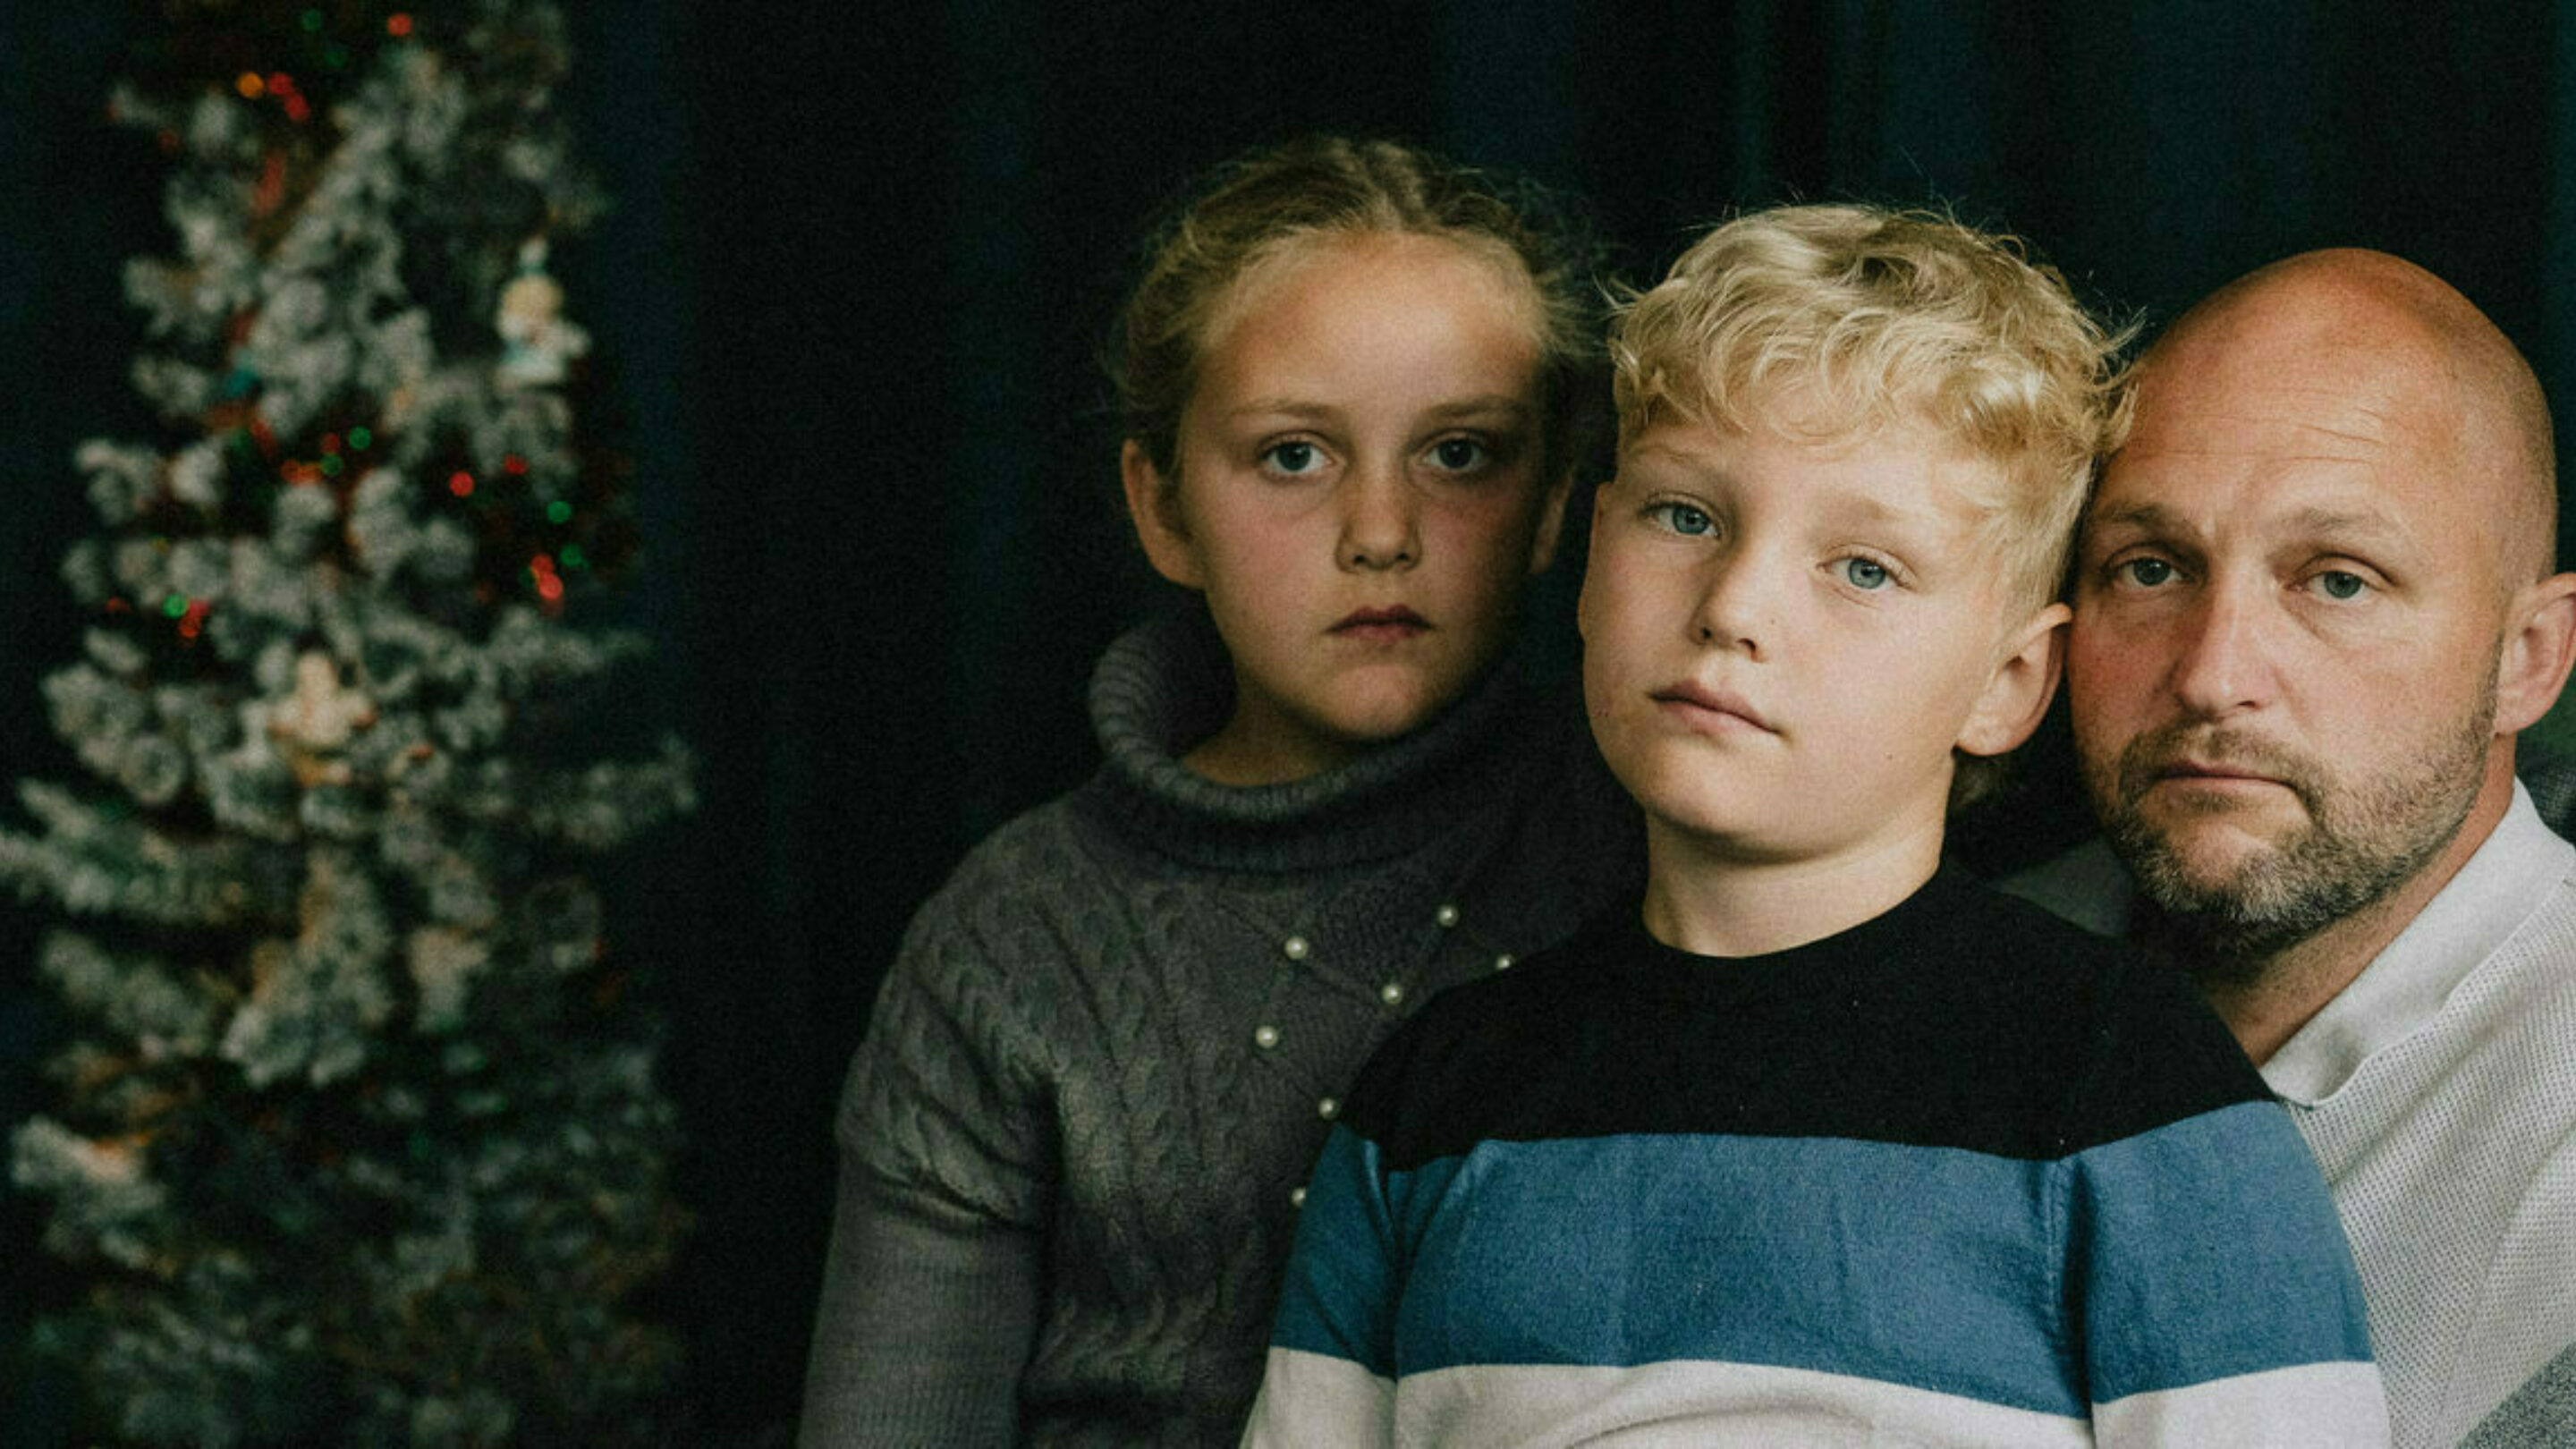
{"type": "Point", "coordinates": [1482, 406]}
{"type": "Point", "coordinates": [1283, 407]}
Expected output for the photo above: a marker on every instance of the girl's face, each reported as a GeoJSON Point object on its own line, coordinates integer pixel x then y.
{"type": "Point", "coordinates": [1359, 496]}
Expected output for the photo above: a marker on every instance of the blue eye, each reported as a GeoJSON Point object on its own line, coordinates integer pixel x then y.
{"type": "Point", "coordinates": [2145, 572]}
{"type": "Point", "coordinates": [1683, 519]}
{"type": "Point", "coordinates": [1863, 573]}
{"type": "Point", "coordinates": [1459, 455]}
{"type": "Point", "coordinates": [1293, 457]}
{"type": "Point", "coordinates": [2336, 584]}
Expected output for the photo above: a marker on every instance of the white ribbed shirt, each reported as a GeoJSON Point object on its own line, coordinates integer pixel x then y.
{"type": "Point", "coordinates": [2438, 1092]}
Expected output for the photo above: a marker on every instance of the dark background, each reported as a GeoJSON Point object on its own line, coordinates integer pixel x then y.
{"type": "Point", "coordinates": [853, 291]}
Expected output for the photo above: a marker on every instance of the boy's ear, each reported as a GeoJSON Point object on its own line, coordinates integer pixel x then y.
{"type": "Point", "coordinates": [1154, 508]}
{"type": "Point", "coordinates": [1551, 522]}
{"type": "Point", "coordinates": [2539, 644]}
{"type": "Point", "coordinates": [2017, 693]}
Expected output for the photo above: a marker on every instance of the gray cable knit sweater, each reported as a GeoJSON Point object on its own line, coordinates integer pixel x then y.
{"type": "Point", "coordinates": [1074, 1137]}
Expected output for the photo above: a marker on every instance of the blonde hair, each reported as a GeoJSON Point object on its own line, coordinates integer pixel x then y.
{"type": "Point", "coordinates": [1880, 317]}
{"type": "Point", "coordinates": [1251, 211]}
{"type": "Point", "coordinates": [1886, 316]}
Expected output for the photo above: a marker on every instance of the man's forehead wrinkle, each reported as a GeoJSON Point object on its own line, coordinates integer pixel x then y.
{"type": "Point", "coordinates": [2367, 429]}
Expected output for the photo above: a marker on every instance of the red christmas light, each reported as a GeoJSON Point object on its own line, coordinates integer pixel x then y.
{"type": "Point", "coordinates": [272, 184]}
{"type": "Point", "coordinates": [550, 585]}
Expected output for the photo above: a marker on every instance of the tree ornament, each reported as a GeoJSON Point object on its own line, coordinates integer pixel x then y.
{"type": "Point", "coordinates": [537, 343]}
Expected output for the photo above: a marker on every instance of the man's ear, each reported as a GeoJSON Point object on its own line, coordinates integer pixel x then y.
{"type": "Point", "coordinates": [2539, 644]}
{"type": "Point", "coordinates": [1155, 507]}
{"type": "Point", "coordinates": [1551, 522]}
{"type": "Point", "coordinates": [2017, 693]}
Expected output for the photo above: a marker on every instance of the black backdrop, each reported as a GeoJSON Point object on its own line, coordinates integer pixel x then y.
{"type": "Point", "coordinates": [853, 291]}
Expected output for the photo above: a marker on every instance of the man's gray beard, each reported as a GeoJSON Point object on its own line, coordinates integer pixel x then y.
{"type": "Point", "coordinates": [2360, 843]}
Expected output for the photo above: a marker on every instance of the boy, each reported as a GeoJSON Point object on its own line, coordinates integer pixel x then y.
{"type": "Point", "coordinates": [1821, 1142]}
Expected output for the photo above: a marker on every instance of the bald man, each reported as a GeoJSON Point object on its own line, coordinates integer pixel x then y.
{"type": "Point", "coordinates": [2315, 599]}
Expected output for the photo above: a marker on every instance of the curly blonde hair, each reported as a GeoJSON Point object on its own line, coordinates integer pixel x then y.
{"type": "Point", "coordinates": [1884, 316]}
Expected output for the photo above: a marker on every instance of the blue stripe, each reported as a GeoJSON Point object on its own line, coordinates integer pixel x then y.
{"type": "Point", "coordinates": [2196, 1252]}
{"type": "Point", "coordinates": [2185, 1228]}
{"type": "Point", "coordinates": [1932, 1267]}
{"type": "Point", "coordinates": [1339, 1294]}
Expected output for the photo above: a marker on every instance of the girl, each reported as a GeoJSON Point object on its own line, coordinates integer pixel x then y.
{"type": "Point", "coordinates": [1075, 1136]}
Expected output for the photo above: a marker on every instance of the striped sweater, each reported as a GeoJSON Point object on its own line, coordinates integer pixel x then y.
{"type": "Point", "coordinates": [1916, 1183]}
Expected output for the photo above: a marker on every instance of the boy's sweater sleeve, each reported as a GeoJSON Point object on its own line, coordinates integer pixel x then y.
{"type": "Point", "coordinates": [931, 1290]}
{"type": "Point", "coordinates": [2208, 1283]}
{"type": "Point", "coordinates": [1330, 1378]}
{"type": "Point", "coordinates": [2219, 1304]}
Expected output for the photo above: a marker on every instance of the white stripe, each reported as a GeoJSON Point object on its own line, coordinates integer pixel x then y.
{"type": "Point", "coordinates": [2325, 1405]}
{"type": "Point", "coordinates": [1317, 1401]}
{"type": "Point", "coordinates": [1699, 1403]}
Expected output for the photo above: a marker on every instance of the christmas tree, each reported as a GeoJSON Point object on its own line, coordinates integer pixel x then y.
{"type": "Point", "coordinates": [356, 1139]}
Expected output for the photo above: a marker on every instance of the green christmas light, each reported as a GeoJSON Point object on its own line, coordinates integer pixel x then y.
{"type": "Point", "coordinates": [313, 22]}
{"type": "Point", "coordinates": [558, 512]}
{"type": "Point", "coordinates": [359, 438]}
{"type": "Point", "coordinates": [175, 606]}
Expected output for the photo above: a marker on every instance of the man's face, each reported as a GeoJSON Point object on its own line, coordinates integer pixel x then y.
{"type": "Point", "coordinates": [2288, 624]}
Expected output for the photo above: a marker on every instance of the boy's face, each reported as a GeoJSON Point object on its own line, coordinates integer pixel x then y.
{"type": "Point", "coordinates": [1360, 495]}
{"type": "Point", "coordinates": [1785, 638]}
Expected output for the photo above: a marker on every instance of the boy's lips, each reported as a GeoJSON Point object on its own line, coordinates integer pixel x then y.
{"type": "Point", "coordinates": [1393, 622]}
{"type": "Point", "coordinates": [1704, 707]}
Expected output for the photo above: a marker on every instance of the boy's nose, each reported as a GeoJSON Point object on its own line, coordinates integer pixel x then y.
{"type": "Point", "coordinates": [1381, 526]}
{"type": "Point", "coordinates": [1734, 609]}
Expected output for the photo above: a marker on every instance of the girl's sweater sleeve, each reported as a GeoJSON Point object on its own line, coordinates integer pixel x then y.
{"type": "Point", "coordinates": [931, 1291]}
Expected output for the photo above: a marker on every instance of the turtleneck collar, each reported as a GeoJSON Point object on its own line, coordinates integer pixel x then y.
{"type": "Point", "coordinates": [1166, 685]}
